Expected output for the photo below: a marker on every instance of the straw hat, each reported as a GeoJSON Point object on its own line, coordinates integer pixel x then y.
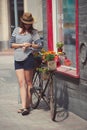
{"type": "Point", "coordinates": [27, 18]}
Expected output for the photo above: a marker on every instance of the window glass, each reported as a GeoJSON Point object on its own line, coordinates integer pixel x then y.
{"type": "Point", "coordinates": [67, 28]}
{"type": "Point", "coordinates": [19, 12]}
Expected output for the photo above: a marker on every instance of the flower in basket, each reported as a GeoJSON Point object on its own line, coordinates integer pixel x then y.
{"type": "Point", "coordinates": [59, 46]}
{"type": "Point", "coordinates": [47, 55]}
{"type": "Point", "coordinates": [50, 55]}
{"type": "Point", "coordinates": [44, 72]}
{"type": "Point", "coordinates": [50, 58]}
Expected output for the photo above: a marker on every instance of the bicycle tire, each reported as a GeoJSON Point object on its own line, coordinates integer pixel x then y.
{"type": "Point", "coordinates": [52, 101]}
{"type": "Point", "coordinates": [36, 90]}
{"type": "Point", "coordinates": [53, 109]}
{"type": "Point", "coordinates": [35, 99]}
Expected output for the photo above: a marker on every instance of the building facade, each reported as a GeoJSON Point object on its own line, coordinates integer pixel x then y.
{"type": "Point", "coordinates": [67, 22]}
{"type": "Point", "coordinates": [58, 20]}
{"type": "Point", "coordinates": [10, 12]}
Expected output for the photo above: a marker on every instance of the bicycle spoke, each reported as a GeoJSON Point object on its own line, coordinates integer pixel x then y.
{"type": "Point", "coordinates": [46, 101]}
{"type": "Point", "coordinates": [38, 88]}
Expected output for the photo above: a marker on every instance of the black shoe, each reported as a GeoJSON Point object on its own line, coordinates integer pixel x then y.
{"type": "Point", "coordinates": [25, 112]}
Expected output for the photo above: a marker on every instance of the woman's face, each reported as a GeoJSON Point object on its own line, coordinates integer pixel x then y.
{"type": "Point", "coordinates": [27, 26]}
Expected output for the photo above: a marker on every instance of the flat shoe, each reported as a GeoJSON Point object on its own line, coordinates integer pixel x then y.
{"type": "Point", "coordinates": [20, 110]}
{"type": "Point", "coordinates": [25, 112]}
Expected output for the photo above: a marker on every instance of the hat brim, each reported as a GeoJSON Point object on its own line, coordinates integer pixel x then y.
{"type": "Point", "coordinates": [27, 22]}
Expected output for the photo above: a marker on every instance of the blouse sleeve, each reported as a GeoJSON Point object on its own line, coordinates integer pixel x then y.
{"type": "Point", "coordinates": [36, 39]}
{"type": "Point", "coordinates": [13, 39]}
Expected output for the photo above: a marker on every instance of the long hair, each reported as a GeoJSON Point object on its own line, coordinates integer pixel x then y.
{"type": "Point", "coordinates": [30, 29]}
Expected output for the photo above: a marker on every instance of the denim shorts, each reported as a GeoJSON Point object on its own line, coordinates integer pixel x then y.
{"type": "Point", "coordinates": [27, 64]}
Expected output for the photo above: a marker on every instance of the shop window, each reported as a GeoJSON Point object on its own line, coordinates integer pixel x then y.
{"type": "Point", "coordinates": [66, 23]}
{"type": "Point", "coordinates": [67, 33]}
{"type": "Point", "coordinates": [65, 29]}
{"type": "Point", "coordinates": [15, 17]}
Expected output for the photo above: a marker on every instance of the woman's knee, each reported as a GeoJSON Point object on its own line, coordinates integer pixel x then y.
{"type": "Point", "coordinates": [29, 83]}
{"type": "Point", "coordinates": [22, 83]}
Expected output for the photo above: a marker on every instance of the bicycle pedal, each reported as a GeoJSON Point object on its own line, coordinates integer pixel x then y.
{"type": "Point", "coordinates": [60, 109]}
{"type": "Point", "coordinates": [37, 88]}
{"type": "Point", "coordinates": [32, 90]}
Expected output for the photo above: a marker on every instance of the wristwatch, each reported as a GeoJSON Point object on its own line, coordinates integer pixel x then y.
{"type": "Point", "coordinates": [31, 45]}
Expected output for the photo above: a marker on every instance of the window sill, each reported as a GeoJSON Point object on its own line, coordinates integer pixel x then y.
{"type": "Point", "coordinates": [67, 71]}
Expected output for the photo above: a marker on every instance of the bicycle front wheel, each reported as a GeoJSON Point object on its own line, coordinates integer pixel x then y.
{"type": "Point", "coordinates": [36, 90]}
{"type": "Point", "coordinates": [35, 98]}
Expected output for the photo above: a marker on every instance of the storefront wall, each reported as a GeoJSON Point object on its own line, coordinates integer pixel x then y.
{"type": "Point", "coordinates": [9, 20]}
{"type": "Point", "coordinates": [71, 91]}
{"type": "Point", "coordinates": [35, 7]}
{"type": "Point", "coordinates": [4, 24]}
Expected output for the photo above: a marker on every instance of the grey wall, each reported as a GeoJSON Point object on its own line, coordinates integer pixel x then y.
{"type": "Point", "coordinates": [83, 35]}
{"type": "Point", "coordinates": [76, 89]}
{"type": "Point", "coordinates": [44, 24]}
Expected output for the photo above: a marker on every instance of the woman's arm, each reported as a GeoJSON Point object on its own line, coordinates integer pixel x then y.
{"type": "Point", "coordinates": [21, 45]}
{"type": "Point", "coordinates": [15, 45]}
{"type": "Point", "coordinates": [35, 46]}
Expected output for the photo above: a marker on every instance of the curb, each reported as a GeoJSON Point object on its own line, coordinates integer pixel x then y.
{"type": "Point", "coordinates": [7, 52]}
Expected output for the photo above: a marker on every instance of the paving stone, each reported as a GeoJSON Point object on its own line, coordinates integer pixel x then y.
{"type": "Point", "coordinates": [38, 119]}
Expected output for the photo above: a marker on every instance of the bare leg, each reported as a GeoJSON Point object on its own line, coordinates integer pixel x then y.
{"type": "Point", "coordinates": [22, 84]}
{"type": "Point", "coordinates": [29, 75]}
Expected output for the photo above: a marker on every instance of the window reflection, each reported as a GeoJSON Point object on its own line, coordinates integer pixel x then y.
{"type": "Point", "coordinates": [69, 30]}
{"type": "Point", "coordinates": [69, 46]}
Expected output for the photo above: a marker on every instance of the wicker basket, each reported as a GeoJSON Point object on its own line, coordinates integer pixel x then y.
{"type": "Point", "coordinates": [52, 65]}
{"type": "Point", "coordinates": [44, 75]}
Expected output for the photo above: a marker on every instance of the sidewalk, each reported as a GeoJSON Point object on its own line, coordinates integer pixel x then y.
{"type": "Point", "coordinates": [38, 119]}
{"type": "Point", "coordinates": [7, 52]}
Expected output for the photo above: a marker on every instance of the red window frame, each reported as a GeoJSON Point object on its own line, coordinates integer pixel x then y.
{"type": "Point", "coordinates": [49, 24]}
{"type": "Point", "coordinates": [50, 38]}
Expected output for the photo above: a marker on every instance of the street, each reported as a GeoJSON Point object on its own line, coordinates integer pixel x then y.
{"type": "Point", "coordinates": [38, 119]}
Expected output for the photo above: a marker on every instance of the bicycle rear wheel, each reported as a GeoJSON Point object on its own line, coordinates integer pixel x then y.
{"type": "Point", "coordinates": [53, 108]}
{"type": "Point", "coordinates": [52, 100]}
{"type": "Point", "coordinates": [36, 90]}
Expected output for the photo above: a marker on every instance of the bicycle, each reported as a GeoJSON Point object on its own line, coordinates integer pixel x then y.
{"type": "Point", "coordinates": [45, 91]}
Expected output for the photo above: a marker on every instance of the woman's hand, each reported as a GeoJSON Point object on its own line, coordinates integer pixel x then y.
{"type": "Point", "coordinates": [26, 45]}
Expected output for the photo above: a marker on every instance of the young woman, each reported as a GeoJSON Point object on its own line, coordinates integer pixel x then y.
{"type": "Point", "coordinates": [25, 39]}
